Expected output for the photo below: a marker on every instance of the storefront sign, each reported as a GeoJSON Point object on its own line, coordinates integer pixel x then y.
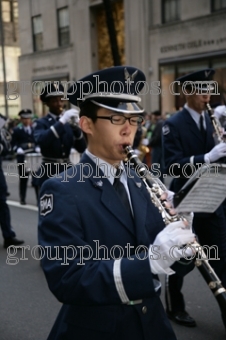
{"type": "Point", "coordinates": [192, 44]}
{"type": "Point", "coordinates": [49, 68]}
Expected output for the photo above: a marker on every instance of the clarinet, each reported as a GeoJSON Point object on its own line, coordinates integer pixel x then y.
{"type": "Point", "coordinates": [156, 189]}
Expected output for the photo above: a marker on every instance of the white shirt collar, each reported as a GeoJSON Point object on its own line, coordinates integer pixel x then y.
{"type": "Point", "coordinates": [53, 115]}
{"type": "Point", "coordinates": [196, 116]}
{"type": "Point", "coordinates": [108, 169]}
{"type": "Point", "coordinates": [27, 129]}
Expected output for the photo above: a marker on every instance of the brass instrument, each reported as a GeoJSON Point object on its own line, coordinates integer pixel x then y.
{"type": "Point", "coordinates": [156, 189]}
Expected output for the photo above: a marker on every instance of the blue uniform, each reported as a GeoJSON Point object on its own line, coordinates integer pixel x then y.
{"type": "Point", "coordinates": [56, 140]}
{"type": "Point", "coordinates": [24, 140]}
{"type": "Point", "coordinates": [182, 140]}
{"type": "Point", "coordinates": [88, 214]}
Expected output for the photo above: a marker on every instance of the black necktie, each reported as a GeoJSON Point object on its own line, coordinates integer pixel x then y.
{"type": "Point", "coordinates": [203, 131]}
{"type": "Point", "coordinates": [119, 187]}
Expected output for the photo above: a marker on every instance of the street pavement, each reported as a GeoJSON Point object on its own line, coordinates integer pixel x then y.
{"type": "Point", "coordinates": [28, 309]}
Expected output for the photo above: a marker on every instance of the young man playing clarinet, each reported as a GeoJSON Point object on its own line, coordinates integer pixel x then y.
{"type": "Point", "coordinates": [102, 218]}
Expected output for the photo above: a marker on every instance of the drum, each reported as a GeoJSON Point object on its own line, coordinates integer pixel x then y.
{"type": "Point", "coordinates": [74, 156]}
{"type": "Point", "coordinates": [32, 161]}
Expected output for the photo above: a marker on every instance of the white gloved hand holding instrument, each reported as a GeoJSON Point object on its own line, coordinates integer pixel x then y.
{"type": "Point", "coordinates": [168, 244]}
{"type": "Point", "coordinates": [72, 114]}
{"type": "Point", "coordinates": [216, 153]}
{"type": "Point", "coordinates": [167, 247]}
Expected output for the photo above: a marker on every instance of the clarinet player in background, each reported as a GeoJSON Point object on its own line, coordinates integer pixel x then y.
{"type": "Point", "coordinates": [188, 139]}
{"type": "Point", "coordinates": [55, 136]}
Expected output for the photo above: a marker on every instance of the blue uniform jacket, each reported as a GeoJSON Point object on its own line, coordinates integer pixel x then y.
{"type": "Point", "coordinates": [56, 145]}
{"type": "Point", "coordinates": [181, 140]}
{"type": "Point", "coordinates": [87, 214]}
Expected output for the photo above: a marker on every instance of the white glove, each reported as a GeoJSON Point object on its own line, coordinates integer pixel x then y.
{"type": "Point", "coordinates": [189, 218]}
{"type": "Point", "coordinates": [217, 152]}
{"type": "Point", "coordinates": [170, 195]}
{"type": "Point", "coordinates": [166, 247]}
{"type": "Point", "coordinates": [20, 151]}
{"type": "Point", "coordinates": [220, 111]}
{"type": "Point", "coordinates": [69, 114]}
{"type": "Point", "coordinates": [145, 141]}
{"type": "Point", "coordinates": [37, 149]}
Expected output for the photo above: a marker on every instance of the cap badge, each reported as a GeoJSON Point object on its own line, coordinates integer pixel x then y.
{"type": "Point", "coordinates": [99, 183]}
{"type": "Point", "coordinates": [207, 73]}
{"type": "Point", "coordinates": [165, 130]}
{"type": "Point", "coordinates": [129, 77]}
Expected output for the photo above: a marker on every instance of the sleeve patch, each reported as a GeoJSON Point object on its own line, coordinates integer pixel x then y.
{"type": "Point", "coordinates": [165, 129]}
{"type": "Point", "coordinates": [46, 204]}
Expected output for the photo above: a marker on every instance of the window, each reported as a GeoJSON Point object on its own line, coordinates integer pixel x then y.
{"type": "Point", "coordinates": [218, 4]}
{"type": "Point", "coordinates": [63, 27]}
{"type": "Point", "coordinates": [15, 10]}
{"type": "Point", "coordinates": [170, 10]}
{"type": "Point", "coordinates": [37, 33]}
{"type": "Point", "coordinates": [219, 66]}
{"type": "Point", "coordinates": [9, 10]}
{"type": "Point", "coordinates": [6, 13]}
{"type": "Point", "coordinates": [172, 102]}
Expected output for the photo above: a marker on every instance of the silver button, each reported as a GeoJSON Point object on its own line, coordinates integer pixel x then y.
{"type": "Point", "coordinates": [144, 310]}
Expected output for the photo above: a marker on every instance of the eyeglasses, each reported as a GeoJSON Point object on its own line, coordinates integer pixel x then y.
{"type": "Point", "coordinates": [120, 120]}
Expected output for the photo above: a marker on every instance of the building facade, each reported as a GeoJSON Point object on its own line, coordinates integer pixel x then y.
{"type": "Point", "coordinates": [64, 40]}
{"type": "Point", "coordinates": [9, 67]}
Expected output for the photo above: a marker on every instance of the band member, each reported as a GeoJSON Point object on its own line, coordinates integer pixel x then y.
{"type": "Point", "coordinates": [98, 213]}
{"type": "Point", "coordinates": [23, 143]}
{"type": "Point", "coordinates": [155, 145]}
{"type": "Point", "coordinates": [55, 135]}
{"type": "Point", "coordinates": [188, 140]}
{"type": "Point", "coordinates": [8, 232]}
